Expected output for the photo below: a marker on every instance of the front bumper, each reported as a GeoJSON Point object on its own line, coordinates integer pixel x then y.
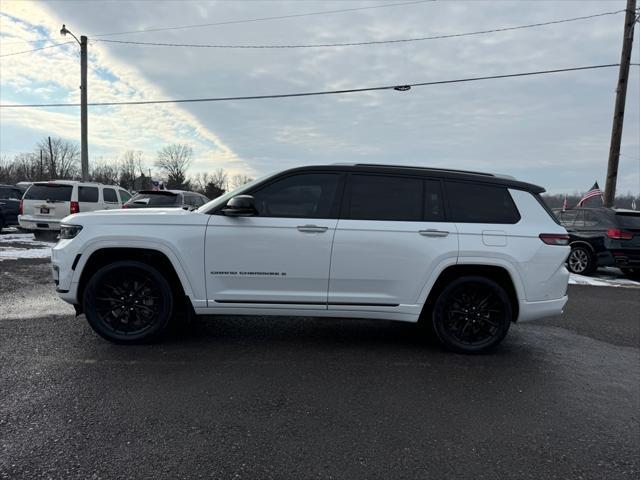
{"type": "Point", "coordinates": [63, 263]}
{"type": "Point", "coordinates": [537, 310]}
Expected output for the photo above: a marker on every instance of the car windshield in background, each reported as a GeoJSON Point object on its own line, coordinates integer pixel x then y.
{"type": "Point", "coordinates": [159, 199]}
{"type": "Point", "coordinates": [628, 219]}
{"type": "Point", "coordinates": [51, 192]}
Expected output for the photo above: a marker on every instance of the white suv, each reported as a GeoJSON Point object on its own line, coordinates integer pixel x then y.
{"type": "Point", "coordinates": [463, 252]}
{"type": "Point", "coordinates": [44, 204]}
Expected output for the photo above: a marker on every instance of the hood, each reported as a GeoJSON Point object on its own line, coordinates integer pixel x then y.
{"type": "Point", "coordinates": [136, 216]}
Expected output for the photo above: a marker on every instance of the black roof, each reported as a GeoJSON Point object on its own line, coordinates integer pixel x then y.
{"type": "Point", "coordinates": [442, 173]}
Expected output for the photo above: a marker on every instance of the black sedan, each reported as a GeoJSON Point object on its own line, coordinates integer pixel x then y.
{"type": "Point", "coordinates": [602, 237]}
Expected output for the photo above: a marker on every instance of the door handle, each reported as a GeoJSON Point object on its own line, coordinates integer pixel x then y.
{"type": "Point", "coordinates": [312, 228]}
{"type": "Point", "coordinates": [432, 232]}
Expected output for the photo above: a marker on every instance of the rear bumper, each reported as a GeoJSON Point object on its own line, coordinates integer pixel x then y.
{"type": "Point", "coordinates": [536, 310]}
{"type": "Point", "coordinates": [29, 222]}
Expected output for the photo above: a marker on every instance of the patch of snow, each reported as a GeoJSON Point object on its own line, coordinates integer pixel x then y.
{"type": "Point", "coordinates": [16, 253]}
{"type": "Point", "coordinates": [603, 281]}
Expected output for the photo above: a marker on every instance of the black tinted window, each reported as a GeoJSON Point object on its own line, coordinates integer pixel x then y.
{"type": "Point", "coordinates": [628, 220]}
{"type": "Point", "coordinates": [591, 219]}
{"type": "Point", "coordinates": [55, 193]}
{"type": "Point", "coordinates": [7, 193]}
{"type": "Point", "coordinates": [156, 199]}
{"type": "Point", "coordinates": [87, 194]}
{"type": "Point", "coordinates": [109, 195]}
{"type": "Point", "coordinates": [309, 195]}
{"type": "Point", "coordinates": [124, 195]}
{"type": "Point", "coordinates": [377, 197]}
{"type": "Point", "coordinates": [476, 203]}
{"type": "Point", "coordinates": [433, 211]}
{"type": "Point", "coordinates": [568, 217]}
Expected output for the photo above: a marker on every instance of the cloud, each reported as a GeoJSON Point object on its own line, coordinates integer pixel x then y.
{"type": "Point", "coordinates": [552, 130]}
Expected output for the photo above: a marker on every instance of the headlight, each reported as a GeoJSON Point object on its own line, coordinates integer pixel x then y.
{"type": "Point", "coordinates": [69, 231]}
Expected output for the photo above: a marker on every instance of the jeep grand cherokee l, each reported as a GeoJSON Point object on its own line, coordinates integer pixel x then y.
{"type": "Point", "coordinates": [465, 253]}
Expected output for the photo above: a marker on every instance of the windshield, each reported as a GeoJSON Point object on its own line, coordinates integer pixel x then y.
{"type": "Point", "coordinates": [221, 200]}
{"type": "Point", "coordinates": [155, 199]}
{"type": "Point", "coordinates": [51, 192]}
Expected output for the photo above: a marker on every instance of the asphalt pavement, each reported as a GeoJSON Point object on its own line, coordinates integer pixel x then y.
{"type": "Point", "coordinates": [274, 397]}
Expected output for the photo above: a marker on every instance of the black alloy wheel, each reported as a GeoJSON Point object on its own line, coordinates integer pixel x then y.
{"type": "Point", "coordinates": [581, 261]}
{"type": "Point", "coordinates": [472, 315]}
{"type": "Point", "coordinates": [128, 302]}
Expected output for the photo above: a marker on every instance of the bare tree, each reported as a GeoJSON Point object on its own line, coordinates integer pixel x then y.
{"type": "Point", "coordinates": [61, 157]}
{"type": "Point", "coordinates": [130, 168]}
{"type": "Point", "coordinates": [105, 173]}
{"type": "Point", "coordinates": [173, 161]}
{"type": "Point", "coordinates": [239, 179]}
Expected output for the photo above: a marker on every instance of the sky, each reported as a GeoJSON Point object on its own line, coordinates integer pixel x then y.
{"type": "Point", "coordinates": [552, 130]}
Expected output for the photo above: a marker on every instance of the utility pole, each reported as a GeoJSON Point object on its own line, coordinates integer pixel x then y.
{"type": "Point", "coordinates": [84, 119]}
{"type": "Point", "coordinates": [618, 113]}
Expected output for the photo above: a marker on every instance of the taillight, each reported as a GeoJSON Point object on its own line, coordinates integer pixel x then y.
{"type": "Point", "coordinates": [561, 239]}
{"type": "Point", "coordinates": [21, 208]}
{"type": "Point", "coordinates": [74, 207]}
{"type": "Point", "coordinates": [617, 234]}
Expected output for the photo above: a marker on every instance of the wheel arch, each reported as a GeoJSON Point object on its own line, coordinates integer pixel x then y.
{"type": "Point", "coordinates": [497, 273]}
{"type": "Point", "coordinates": [584, 244]}
{"type": "Point", "coordinates": [156, 258]}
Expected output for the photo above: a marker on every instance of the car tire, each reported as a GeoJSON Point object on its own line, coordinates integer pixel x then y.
{"type": "Point", "coordinates": [581, 260]}
{"type": "Point", "coordinates": [472, 315]}
{"type": "Point", "coordinates": [128, 302]}
{"type": "Point", "coordinates": [632, 273]}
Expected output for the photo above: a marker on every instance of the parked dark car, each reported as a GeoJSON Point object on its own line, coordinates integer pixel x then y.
{"type": "Point", "coordinates": [602, 237]}
{"type": "Point", "coordinates": [166, 199]}
{"type": "Point", "coordinates": [10, 197]}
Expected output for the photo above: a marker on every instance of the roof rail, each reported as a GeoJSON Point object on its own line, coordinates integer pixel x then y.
{"type": "Point", "coordinates": [424, 168]}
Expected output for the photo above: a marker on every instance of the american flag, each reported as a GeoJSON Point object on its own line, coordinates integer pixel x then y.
{"type": "Point", "coordinates": [565, 204]}
{"type": "Point", "coordinates": [593, 192]}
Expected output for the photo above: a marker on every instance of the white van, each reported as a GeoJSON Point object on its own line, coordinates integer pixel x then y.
{"type": "Point", "coordinates": [44, 204]}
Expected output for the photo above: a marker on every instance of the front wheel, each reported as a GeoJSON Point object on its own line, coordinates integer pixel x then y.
{"type": "Point", "coordinates": [472, 315]}
{"type": "Point", "coordinates": [128, 302]}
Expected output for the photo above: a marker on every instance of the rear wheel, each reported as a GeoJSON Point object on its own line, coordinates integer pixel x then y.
{"type": "Point", "coordinates": [472, 315]}
{"type": "Point", "coordinates": [581, 261]}
{"type": "Point", "coordinates": [128, 302]}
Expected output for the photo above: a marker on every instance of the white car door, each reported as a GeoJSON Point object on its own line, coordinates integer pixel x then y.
{"type": "Point", "coordinates": [390, 239]}
{"type": "Point", "coordinates": [280, 257]}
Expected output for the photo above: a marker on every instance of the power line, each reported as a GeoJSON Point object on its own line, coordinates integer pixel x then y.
{"type": "Point", "coordinates": [400, 87]}
{"type": "Point", "coordinates": [374, 42]}
{"type": "Point", "coordinates": [35, 49]}
{"type": "Point", "coordinates": [261, 19]}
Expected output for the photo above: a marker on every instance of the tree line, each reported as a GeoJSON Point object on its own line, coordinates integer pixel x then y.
{"type": "Point", "coordinates": [59, 159]}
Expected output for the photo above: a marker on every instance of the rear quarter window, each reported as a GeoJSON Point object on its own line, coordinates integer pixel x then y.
{"type": "Point", "coordinates": [479, 203]}
{"type": "Point", "coordinates": [54, 193]}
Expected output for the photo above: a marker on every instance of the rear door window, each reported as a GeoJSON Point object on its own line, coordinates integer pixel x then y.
{"type": "Point", "coordinates": [88, 194]}
{"type": "Point", "coordinates": [390, 198]}
{"type": "Point", "coordinates": [50, 192]}
{"type": "Point", "coordinates": [109, 195]}
{"type": "Point", "coordinates": [480, 203]}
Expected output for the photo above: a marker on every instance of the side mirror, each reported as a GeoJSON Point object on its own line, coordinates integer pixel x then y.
{"type": "Point", "coordinates": [240, 206]}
